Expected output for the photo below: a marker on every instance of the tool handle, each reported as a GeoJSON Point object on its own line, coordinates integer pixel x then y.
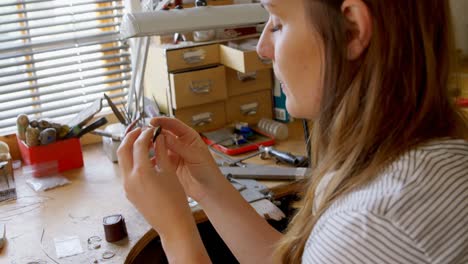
{"type": "Point", "coordinates": [286, 157]}
{"type": "Point", "coordinates": [100, 122]}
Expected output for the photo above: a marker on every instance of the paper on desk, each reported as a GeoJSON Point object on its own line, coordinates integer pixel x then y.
{"type": "Point", "coordinates": [46, 183]}
{"type": "Point", "coordinates": [67, 246]}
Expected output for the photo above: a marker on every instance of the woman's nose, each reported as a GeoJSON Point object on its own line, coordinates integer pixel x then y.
{"type": "Point", "coordinates": [265, 45]}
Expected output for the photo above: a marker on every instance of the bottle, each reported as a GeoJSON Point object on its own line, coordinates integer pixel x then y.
{"type": "Point", "coordinates": [274, 128]}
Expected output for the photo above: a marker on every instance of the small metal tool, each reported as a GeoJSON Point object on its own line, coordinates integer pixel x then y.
{"type": "Point", "coordinates": [283, 157]}
{"type": "Point", "coordinates": [104, 133]}
{"type": "Point", "coordinates": [157, 131]}
{"type": "Point", "coordinates": [259, 172]}
{"type": "Point", "coordinates": [115, 110]}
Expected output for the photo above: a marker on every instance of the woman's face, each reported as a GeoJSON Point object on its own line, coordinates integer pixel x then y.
{"type": "Point", "coordinates": [296, 50]}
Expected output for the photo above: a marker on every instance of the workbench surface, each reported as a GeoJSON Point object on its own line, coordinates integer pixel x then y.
{"type": "Point", "coordinates": [34, 220]}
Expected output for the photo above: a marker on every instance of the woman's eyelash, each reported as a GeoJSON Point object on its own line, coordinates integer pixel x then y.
{"type": "Point", "coordinates": [275, 28]}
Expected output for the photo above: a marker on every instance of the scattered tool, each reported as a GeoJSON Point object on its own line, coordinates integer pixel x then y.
{"type": "Point", "coordinates": [116, 111]}
{"type": "Point", "coordinates": [264, 153]}
{"type": "Point", "coordinates": [258, 172]}
{"type": "Point", "coordinates": [104, 133]}
{"type": "Point", "coordinates": [237, 169]}
{"type": "Point", "coordinates": [86, 114]}
{"type": "Point", "coordinates": [98, 123]}
{"type": "Point", "coordinates": [283, 157]}
{"type": "Point", "coordinates": [78, 131]}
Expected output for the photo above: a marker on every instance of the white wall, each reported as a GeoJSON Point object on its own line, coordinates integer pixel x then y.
{"type": "Point", "coordinates": [460, 19]}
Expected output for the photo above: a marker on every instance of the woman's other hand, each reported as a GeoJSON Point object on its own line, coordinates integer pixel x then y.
{"type": "Point", "coordinates": [189, 155]}
{"type": "Point", "coordinates": [152, 186]}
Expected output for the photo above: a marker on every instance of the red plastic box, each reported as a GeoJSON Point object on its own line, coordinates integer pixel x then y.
{"type": "Point", "coordinates": [67, 153]}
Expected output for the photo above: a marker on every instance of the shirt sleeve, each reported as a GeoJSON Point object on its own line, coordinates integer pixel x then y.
{"type": "Point", "coordinates": [360, 237]}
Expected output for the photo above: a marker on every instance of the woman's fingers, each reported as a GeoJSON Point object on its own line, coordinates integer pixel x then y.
{"type": "Point", "coordinates": [125, 151]}
{"type": "Point", "coordinates": [130, 127]}
{"type": "Point", "coordinates": [141, 149]}
{"type": "Point", "coordinates": [184, 150]}
{"type": "Point", "coordinates": [162, 158]}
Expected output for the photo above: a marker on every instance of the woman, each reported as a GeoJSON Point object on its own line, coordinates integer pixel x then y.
{"type": "Point", "coordinates": [390, 180]}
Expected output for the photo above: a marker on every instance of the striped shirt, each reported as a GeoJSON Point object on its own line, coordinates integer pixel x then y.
{"type": "Point", "coordinates": [415, 211]}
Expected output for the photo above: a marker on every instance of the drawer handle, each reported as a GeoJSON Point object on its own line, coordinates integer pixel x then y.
{"type": "Point", "coordinates": [247, 77]}
{"type": "Point", "coordinates": [202, 119]}
{"type": "Point", "coordinates": [194, 56]}
{"type": "Point", "coordinates": [249, 109]}
{"type": "Point", "coordinates": [201, 87]}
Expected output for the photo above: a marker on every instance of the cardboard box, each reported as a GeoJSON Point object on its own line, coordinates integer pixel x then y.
{"type": "Point", "coordinates": [67, 153]}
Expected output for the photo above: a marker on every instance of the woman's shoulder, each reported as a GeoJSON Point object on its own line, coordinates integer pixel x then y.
{"type": "Point", "coordinates": [419, 171]}
{"type": "Point", "coordinates": [422, 195]}
{"type": "Point", "coordinates": [447, 145]}
{"type": "Point", "coordinates": [429, 160]}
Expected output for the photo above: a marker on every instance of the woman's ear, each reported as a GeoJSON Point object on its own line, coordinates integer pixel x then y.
{"type": "Point", "coordinates": [359, 20]}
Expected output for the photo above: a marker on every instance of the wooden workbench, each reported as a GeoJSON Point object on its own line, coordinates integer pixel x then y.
{"type": "Point", "coordinates": [33, 220]}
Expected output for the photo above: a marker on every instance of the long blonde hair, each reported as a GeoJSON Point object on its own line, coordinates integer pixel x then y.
{"type": "Point", "coordinates": [392, 99]}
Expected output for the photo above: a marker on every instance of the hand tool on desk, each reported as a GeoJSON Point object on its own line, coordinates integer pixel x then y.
{"type": "Point", "coordinates": [265, 153]}
{"type": "Point", "coordinates": [98, 123]}
{"type": "Point", "coordinates": [262, 172]}
{"type": "Point", "coordinates": [85, 115]}
{"type": "Point", "coordinates": [283, 157]}
{"type": "Point", "coordinates": [103, 133]}
{"type": "Point", "coordinates": [79, 132]}
{"type": "Point", "coordinates": [115, 110]}
{"type": "Point", "coordinates": [255, 193]}
{"type": "Point", "coordinates": [237, 169]}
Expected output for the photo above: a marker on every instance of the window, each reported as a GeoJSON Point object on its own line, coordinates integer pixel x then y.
{"type": "Point", "coordinates": [57, 57]}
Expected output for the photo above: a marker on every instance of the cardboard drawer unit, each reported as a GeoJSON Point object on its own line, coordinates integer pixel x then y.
{"type": "Point", "coordinates": [203, 117]}
{"type": "Point", "coordinates": [242, 83]}
{"type": "Point", "coordinates": [198, 87]}
{"type": "Point", "coordinates": [161, 62]}
{"type": "Point", "coordinates": [192, 57]}
{"type": "Point", "coordinates": [208, 86]}
{"type": "Point", "coordinates": [249, 108]}
{"type": "Point", "coordinates": [242, 61]}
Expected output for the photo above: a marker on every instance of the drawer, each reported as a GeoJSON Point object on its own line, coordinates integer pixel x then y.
{"type": "Point", "coordinates": [180, 59]}
{"type": "Point", "coordinates": [241, 83]}
{"type": "Point", "coordinates": [243, 61]}
{"type": "Point", "coordinates": [249, 108]}
{"type": "Point", "coordinates": [203, 117]}
{"type": "Point", "coordinates": [198, 87]}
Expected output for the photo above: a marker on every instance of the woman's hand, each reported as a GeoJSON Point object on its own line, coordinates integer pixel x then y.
{"type": "Point", "coordinates": [189, 155]}
{"type": "Point", "coordinates": [152, 186]}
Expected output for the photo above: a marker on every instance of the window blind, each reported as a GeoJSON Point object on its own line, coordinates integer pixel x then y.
{"type": "Point", "coordinates": [57, 57]}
